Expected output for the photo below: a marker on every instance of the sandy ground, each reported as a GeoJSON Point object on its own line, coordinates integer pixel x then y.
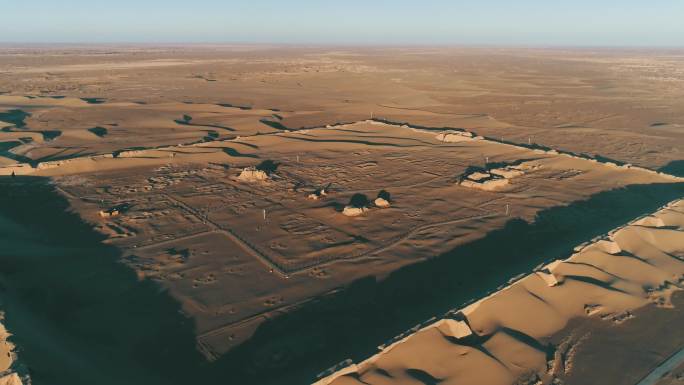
{"type": "Point", "coordinates": [625, 105]}
{"type": "Point", "coordinates": [632, 267]}
{"type": "Point", "coordinates": [226, 177]}
{"type": "Point", "coordinates": [9, 365]}
{"type": "Point", "coordinates": [288, 247]}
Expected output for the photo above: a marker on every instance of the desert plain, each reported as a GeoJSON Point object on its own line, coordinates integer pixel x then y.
{"type": "Point", "coordinates": [341, 215]}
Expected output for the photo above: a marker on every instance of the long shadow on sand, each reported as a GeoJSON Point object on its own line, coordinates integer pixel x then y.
{"type": "Point", "coordinates": [15, 117]}
{"type": "Point", "coordinates": [676, 167]}
{"type": "Point", "coordinates": [78, 315]}
{"type": "Point", "coordinates": [82, 317]}
{"type": "Point", "coordinates": [293, 348]}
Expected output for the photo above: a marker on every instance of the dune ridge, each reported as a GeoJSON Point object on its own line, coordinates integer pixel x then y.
{"type": "Point", "coordinates": [504, 337]}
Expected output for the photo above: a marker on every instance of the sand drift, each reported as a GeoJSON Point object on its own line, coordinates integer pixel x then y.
{"type": "Point", "coordinates": [490, 342]}
{"type": "Point", "coordinates": [252, 215]}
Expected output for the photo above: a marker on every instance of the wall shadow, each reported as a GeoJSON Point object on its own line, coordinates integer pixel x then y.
{"type": "Point", "coordinates": [78, 315]}
{"type": "Point", "coordinates": [676, 167]}
{"type": "Point", "coordinates": [295, 347]}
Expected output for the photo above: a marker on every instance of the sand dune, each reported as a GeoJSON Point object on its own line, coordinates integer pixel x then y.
{"type": "Point", "coordinates": [209, 189]}
{"type": "Point", "coordinates": [244, 192]}
{"type": "Point", "coordinates": [609, 279]}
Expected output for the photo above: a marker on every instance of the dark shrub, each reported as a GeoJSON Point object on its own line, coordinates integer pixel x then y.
{"type": "Point", "coordinates": [358, 200]}
{"type": "Point", "coordinates": [384, 195]}
{"type": "Point", "coordinates": [268, 166]}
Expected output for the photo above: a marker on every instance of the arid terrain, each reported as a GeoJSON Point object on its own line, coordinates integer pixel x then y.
{"type": "Point", "coordinates": [286, 215]}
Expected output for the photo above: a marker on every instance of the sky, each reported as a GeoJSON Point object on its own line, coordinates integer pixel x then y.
{"type": "Point", "coordinates": [638, 23]}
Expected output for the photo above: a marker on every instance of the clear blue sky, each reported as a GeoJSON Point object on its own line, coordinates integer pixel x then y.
{"type": "Point", "coordinates": [497, 22]}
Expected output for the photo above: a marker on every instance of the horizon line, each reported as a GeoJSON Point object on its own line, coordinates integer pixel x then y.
{"type": "Point", "coordinates": [27, 44]}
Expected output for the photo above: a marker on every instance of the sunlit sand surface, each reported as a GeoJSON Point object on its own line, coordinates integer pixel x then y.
{"type": "Point", "coordinates": [271, 210]}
